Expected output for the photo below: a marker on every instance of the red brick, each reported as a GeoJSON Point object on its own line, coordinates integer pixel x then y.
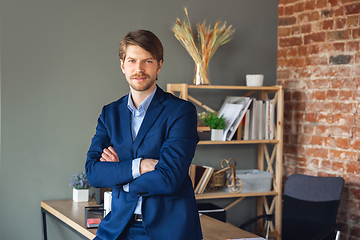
{"type": "Point", "coordinates": [320, 95]}
{"type": "Point", "coordinates": [328, 24]}
{"type": "Point", "coordinates": [346, 95]}
{"type": "Point", "coordinates": [289, 10]}
{"type": "Point", "coordinates": [352, 21]}
{"type": "Point", "coordinates": [281, 11]}
{"type": "Point", "coordinates": [355, 193]}
{"type": "Point", "coordinates": [344, 119]}
{"type": "Point", "coordinates": [343, 155]}
{"type": "Point", "coordinates": [342, 143]}
{"type": "Point", "coordinates": [344, 131]}
{"type": "Point", "coordinates": [299, 7]}
{"type": "Point", "coordinates": [305, 28]}
{"type": "Point", "coordinates": [285, 21]}
{"type": "Point", "coordinates": [289, 42]}
{"type": "Point", "coordinates": [332, 94]}
{"type": "Point", "coordinates": [329, 142]}
{"type": "Point", "coordinates": [316, 60]}
{"type": "Point", "coordinates": [309, 17]}
{"type": "Point", "coordinates": [321, 3]}
{"type": "Point", "coordinates": [313, 49]}
{"type": "Point", "coordinates": [356, 33]}
{"type": "Point", "coordinates": [295, 30]}
{"type": "Point", "coordinates": [318, 106]}
{"type": "Point", "coordinates": [337, 166]}
{"type": "Point", "coordinates": [284, 31]}
{"type": "Point", "coordinates": [316, 140]}
{"type": "Point", "coordinates": [333, 3]}
{"type": "Point", "coordinates": [339, 35]}
{"type": "Point", "coordinates": [352, 46]}
{"type": "Point", "coordinates": [353, 168]}
{"type": "Point", "coordinates": [310, 5]}
{"type": "Point", "coordinates": [325, 165]}
{"type": "Point", "coordinates": [355, 144]}
{"type": "Point", "coordinates": [325, 118]}
{"type": "Point", "coordinates": [336, 12]}
{"type": "Point", "coordinates": [352, 8]}
{"type": "Point", "coordinates": [283, 74]}
{"type": "Point", "coordinates": [315, 37]}
{"type": "Point", "coordinates": [311, 117]}
{"type": "Point", "coordinates": [340, 23]}
{"type": "Point", "coordinates": [317, 152]}
{"type": "Point", "coordinates": [343, 83]}
{"type": "Point", "coordinates": [338, 47]}
{"type": "Point", "coordinates": [319, 83]}
{"type": "Point", "coordinates": [302, 50]}
{"type": "Point", "coordinates": [356, 132]}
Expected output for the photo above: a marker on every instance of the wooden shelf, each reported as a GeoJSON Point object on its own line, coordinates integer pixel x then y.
{"type": "Point", "coordinates": [266, 160]}
{"type": "Point", "coordinates": [225, 194]}
{"type": "Point", "coordinates": [238, 142]}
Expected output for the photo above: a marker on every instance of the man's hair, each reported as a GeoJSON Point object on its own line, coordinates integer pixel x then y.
{"type": "Point", "coordinates": [144, 39]}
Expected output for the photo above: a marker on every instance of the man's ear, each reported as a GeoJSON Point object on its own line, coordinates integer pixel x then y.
{"type": "Point", "coordinates": [122, 66]}
{"type": "Point", "coordinates": [159, 66]}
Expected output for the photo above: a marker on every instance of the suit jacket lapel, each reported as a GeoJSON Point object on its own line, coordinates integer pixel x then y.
{"type": "Point", "coordinates": [152, 114]}
{"type": "Point", "coordinates": [126, 123]}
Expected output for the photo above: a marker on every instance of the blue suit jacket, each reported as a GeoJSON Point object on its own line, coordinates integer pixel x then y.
{"type": "Point", "coordinates": [168, 133]}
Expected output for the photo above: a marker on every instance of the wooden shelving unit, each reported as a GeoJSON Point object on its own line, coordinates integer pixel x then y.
{"type": "Point", "coordinates": [272, 160]}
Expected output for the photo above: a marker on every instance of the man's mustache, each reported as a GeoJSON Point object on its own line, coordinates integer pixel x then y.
{"type": "Point", "coordinates": [139, 75]}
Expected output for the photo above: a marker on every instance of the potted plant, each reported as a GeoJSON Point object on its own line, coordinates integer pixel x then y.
{"type": "Point", "coordinates": [216, 123]}
{"type": "Point", "coordinates": [80, 186]}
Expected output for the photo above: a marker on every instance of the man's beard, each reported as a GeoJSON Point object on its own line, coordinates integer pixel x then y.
{"type": "Point", "coordinates": [141, 86]}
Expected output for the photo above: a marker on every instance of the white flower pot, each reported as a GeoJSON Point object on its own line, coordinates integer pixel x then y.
{"type": "Point", "coordinates": [217, 134]}
{"type": "Point", "coordinates": [80, 195]}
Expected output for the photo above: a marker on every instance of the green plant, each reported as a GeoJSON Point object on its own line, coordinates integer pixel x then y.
{"type": "Point", "coordinates": [212, 120]}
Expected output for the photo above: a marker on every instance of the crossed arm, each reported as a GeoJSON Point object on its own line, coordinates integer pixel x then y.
{"type": "Point", "coordinates": [146, 165]}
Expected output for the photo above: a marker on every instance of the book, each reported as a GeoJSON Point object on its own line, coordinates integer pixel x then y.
{"type": "Point", "coordinates": [199, 171]}
{"type": "Point", "coordinates": [233, 109]}
{"type": "Point", "coordinates": [254, 121]}
{"type": "Point", "coordinates": [260, 116]}
{"type": "Point", "coordinates": [247, 124]}
{"type": "Point", "coordinates": [192, 172]}
{"type": "Point", "coordinates": [92, 222]}
{"type": "Point", "coordinates": [207, 175]}
{"type": "Point", "coordinates": [272, 119]}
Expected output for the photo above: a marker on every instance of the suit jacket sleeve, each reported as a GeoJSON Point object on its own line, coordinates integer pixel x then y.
{"type": "Point", "coordinates": [176, 154]}
{"type": "Point", "coordinates": [105, 174]}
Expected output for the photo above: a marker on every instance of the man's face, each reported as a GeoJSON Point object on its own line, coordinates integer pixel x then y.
{"type": "Point", "coordinates": [140, 69]}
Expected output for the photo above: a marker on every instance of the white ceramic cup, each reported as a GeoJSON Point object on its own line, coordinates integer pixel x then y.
{"type": "Point", "coordinates": [254, 80]}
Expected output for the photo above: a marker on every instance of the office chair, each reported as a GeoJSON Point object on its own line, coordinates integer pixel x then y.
{"type": "Point", "coordinates": [310, 206]}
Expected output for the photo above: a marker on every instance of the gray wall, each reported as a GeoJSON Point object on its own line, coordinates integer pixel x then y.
{"type": "Point", "coordinates": [59, 66]}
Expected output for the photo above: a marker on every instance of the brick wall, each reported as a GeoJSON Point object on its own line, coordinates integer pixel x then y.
{"type": "Point", "coordinates": [319, 67]}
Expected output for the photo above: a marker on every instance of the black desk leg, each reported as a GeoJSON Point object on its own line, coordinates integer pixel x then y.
{"type": "Point", "coordinates": [44, 224]}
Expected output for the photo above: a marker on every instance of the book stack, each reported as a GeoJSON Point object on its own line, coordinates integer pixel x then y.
{"type": "Point", "coordinates": [93, 222]}
{"type": "Point", "coordinates": [259, 120]}
{"type": "Point", "coordinates": [200, 177]}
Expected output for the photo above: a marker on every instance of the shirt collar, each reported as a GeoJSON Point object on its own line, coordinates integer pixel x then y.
{"type": "Point", "coordinates": [143, 107]}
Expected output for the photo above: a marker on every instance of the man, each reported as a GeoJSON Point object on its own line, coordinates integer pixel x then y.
{"type": "Point", "coordinates": [142, 149]}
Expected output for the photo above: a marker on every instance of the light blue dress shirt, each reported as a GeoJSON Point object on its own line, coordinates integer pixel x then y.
{"type": "Point", "coordinates": [137, 116]}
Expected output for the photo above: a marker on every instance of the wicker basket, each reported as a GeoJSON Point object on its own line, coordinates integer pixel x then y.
{"type": "Point", "coordinates": [217, 181]}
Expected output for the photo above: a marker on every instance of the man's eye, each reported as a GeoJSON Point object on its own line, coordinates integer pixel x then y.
{"type": "Point", "coordinates": [130, 60]}
{"type": "Point", "coordinates": [148, 61]}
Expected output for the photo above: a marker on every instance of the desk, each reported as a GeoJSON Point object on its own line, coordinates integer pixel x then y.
{"type": "Point", "coordinates": [71, 214]}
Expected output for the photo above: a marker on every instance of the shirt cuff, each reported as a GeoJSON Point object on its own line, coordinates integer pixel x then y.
{"type": "Point", "coordinates": [135, 172]}
{"type": "Point", "coordinates": [136, 167]}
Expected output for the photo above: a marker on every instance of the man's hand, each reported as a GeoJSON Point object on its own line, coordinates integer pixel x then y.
{"type": "Point", "coordinates": [109, 155]}
{"type": "Point", "coordinates": [147, 165]}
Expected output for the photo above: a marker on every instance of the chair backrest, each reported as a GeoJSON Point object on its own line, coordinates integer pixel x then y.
{"type": "Point", "coordinates": [315, 189]}
{"type": "Point", "coordinates": [310, 204]}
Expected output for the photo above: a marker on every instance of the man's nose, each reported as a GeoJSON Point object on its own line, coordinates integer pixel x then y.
{"type": "Point", "coordinates": [139, 68]}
